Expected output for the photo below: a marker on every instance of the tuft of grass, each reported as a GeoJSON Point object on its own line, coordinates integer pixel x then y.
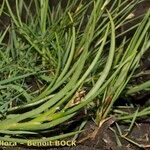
{"type": "Point", "coordinates": [66, 49]}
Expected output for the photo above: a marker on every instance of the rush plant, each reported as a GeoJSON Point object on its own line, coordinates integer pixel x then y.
{"type": "Point", "coordinates": [78, 44]}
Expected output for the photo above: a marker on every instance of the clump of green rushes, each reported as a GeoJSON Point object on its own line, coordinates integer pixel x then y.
{"type": "Point", "coordinates": [79, 43]}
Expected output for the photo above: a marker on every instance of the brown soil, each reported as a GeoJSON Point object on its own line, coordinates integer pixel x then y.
{"type": "Point", "coordinates": [106, 139]}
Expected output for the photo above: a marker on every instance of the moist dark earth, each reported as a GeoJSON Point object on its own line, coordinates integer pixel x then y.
{"type": "Point", "coordinates": [105, 137]}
